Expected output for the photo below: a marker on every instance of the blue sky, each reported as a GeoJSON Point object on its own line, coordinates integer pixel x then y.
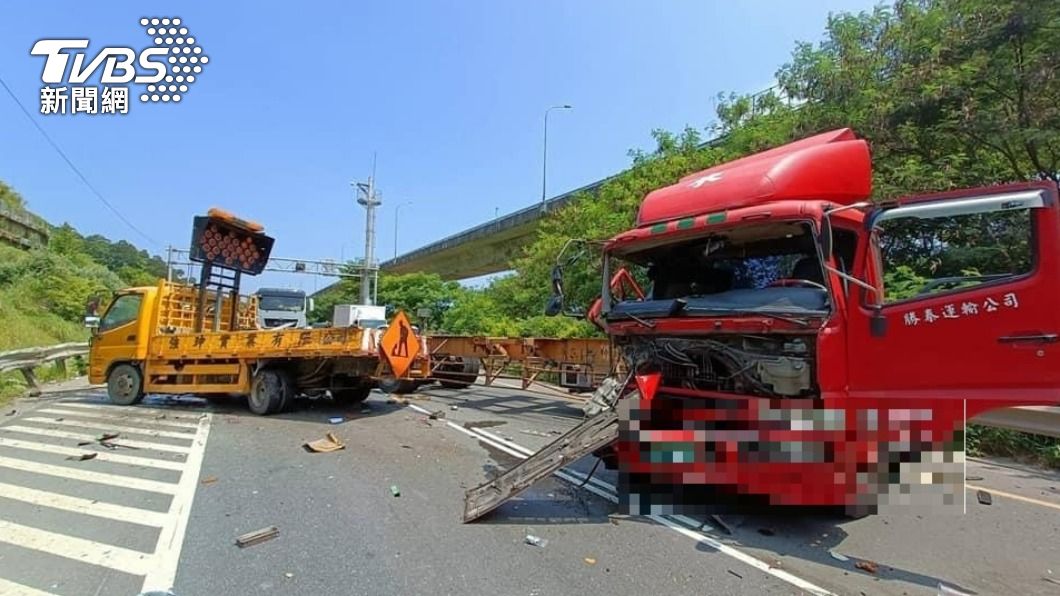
{"type": "Point", "coordinates": [297, 97]}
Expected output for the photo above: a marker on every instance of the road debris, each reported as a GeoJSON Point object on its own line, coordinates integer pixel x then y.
{"type": "Point", "coordinates": [326, 445]}
{"type": "Point", "coordinates": [1051, 580]}
{"type": "Point", "coordinates": [536, 433]}
{"type": "Point", "coordinates": [454, 408]}
{"type": "Point", "coordinates": [208, 480]}
{"type": "Point", "coordinates": [394, 490]}
{"type": "Point", "coordinates": [722, 524]}
{"type": "Point", "coordinates": [257, 536]}
{"type": "Point", "coordinates": [734, 573]}
{"type": "Point", "coordinates": [838, 556]}
{"type": "Point", "coordinates": [945, 590]}
{"type": "Point", "coordinates": [868, 566]}
{"type": "Point", "coordinates": [13, 412]}
{"type": "Point", "coordinates": [536, 541]}
{"type": "Point", "coordinates": [366, 410]}
{"type": "Point", "coordinates": [767, 531]}
{"type": "Point", "coordinates": [984, 497]}
{"type": "Point", "coordinates": [82, 457]}
{"type": "Point", "coordinates": [589, 561]}
{"type": "Point", "coordinates": [393, 399]}
{"type": "Point", "coordinates": [973, 478]}
{"type": "Point", "coordinates": [440, 414]}
{"type": "Point", "coordinates": [336, 420]}
{"type": "Point", "coordinates": [288, 575]}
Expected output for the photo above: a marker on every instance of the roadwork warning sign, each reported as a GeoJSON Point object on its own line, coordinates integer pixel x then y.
{"type": "Point", "coordinates": [399, 344]}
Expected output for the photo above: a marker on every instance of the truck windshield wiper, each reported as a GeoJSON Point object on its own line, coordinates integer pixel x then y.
{"type": "Point", "coordinates": [730, 311]}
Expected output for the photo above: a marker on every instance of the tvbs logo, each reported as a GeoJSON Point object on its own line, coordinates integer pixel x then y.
{"type": "Point", "coordinates": [166, 70]}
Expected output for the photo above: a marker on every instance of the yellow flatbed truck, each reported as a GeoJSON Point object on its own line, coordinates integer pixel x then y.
{"type": "Point", "coordinates": [154, 340]}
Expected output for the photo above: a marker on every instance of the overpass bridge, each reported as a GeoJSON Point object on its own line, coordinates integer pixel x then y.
{"type": "Point", "coordinates": [485, 248]}
{"type": "Point", "coordinates": [489, 247]}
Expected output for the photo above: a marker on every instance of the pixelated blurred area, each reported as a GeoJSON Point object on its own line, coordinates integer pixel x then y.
{"type": "Point", "coordinates": [693, 455]}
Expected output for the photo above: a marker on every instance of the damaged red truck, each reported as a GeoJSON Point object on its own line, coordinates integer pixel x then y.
{"type": "Point", "coordinates": [801, 345]}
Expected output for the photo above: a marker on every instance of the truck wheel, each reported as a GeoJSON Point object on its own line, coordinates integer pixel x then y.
{"type": "Point", "coordinates": [125, 385]}
{"type": "Point", "coordinates": [398, 386]}
{"type": "Point", "coordinates": [270, 391]}
{"type": "Point", "coordinates": [458, 375]}
{"type": "Point", "coordinates": [351, 395]}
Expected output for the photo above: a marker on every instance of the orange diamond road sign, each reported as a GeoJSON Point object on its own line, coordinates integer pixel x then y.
{"type": "Point", "coordinates": [399, 344]}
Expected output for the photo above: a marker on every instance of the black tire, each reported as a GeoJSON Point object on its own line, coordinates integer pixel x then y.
{"type": "Point", "coordinates": [351, 395]}
{"type": "Point", "coordinates": [458, 375]}
{"type": "Point", "coordinates": [398, 386]}
{"type": "Point", "coordinates": [125, 385]}
{"type": "Point", "coordinates": [270, 392]}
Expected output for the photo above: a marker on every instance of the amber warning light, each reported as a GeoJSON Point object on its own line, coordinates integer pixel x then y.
{"type": "Point", "coordinates": [224, 240]}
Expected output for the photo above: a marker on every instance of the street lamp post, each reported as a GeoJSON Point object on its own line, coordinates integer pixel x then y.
{"type": "Point", "coordinates": [544, 157]}
{"type": "Point", "coordinates": [397, 210]}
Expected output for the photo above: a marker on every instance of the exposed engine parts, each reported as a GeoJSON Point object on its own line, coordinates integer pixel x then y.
{"type": "Point", "coordinates": [765, 365]}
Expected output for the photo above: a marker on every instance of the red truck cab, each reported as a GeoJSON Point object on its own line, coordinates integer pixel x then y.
{"type": "Point", "coordinates": [814, 348]}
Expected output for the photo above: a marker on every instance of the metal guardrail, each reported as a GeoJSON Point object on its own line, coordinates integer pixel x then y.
{"type": "Point", "coordinates": [27, 359]}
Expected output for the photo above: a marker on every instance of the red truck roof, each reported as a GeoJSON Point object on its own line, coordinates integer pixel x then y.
{"type": "Point", "coordinates": [833, 166]}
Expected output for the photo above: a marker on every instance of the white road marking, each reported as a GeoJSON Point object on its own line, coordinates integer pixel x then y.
{"type": "Point", "coordinates": [42, 498]}
{"type": "Point", "coordinates": [60, 410]}
{"type": "Point", "coordinates": [69, 473]}
{"type": "Point", "coordinates": [10, 588]}
{"type": "Point", "coordinates": [105, 424]}
{"type": "Point", "coordinates": [171, 538]}
{"type": "Point", "coordinates": [78, 549]}
{"type": "Point", "coordinates": [609, 492]}
{"type": "Point", "coordinates": [159, 415]}
{"type": "Point", "coordinates": [116, 458]}
{"type": "Point", "coordinates": [118, 441]}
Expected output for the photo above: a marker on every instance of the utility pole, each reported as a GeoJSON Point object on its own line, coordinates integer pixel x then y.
{"type": "Point", "coordinates": [369, 201]}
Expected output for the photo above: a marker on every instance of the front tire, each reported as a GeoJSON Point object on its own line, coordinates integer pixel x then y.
{"type": "Point", "coordinates": [270, 391]}
{"type": "Point", "coordinates": [125, 385]}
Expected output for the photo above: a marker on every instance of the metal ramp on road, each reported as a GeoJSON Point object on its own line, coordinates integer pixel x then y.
{"type": "Point", "coordinates": [590, 435]}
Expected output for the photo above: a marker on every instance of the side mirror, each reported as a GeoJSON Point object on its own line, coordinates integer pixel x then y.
{"type": "Point", "coordinates": [92, 322]}
{"type": "Point", "coordinates": [312, 305]}
{"type": "Point", "coordinates": [554, 306]}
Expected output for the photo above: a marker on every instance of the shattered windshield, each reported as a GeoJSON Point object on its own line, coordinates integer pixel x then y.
{"type": "Point", "coordinates": [771, 267]}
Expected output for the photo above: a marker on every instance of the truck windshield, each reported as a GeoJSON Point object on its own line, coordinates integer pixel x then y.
{"type": "Point", "coordinates": [768, 268]}
{"type": "Point", "coordinates": [284, 303]}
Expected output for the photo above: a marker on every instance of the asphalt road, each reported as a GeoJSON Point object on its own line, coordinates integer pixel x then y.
{"type": "Point", "coordinates": [165, 505]}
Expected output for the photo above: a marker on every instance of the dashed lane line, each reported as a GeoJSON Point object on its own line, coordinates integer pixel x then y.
{"type": "Point", "coordinates": [118, 441]}
{"type": "Point", "coordinates": [91, 507]}
{"type": "Point", "coordinates": [103, 425]}
{"type": "Point", "coordinates": [116, 458]}
{"type": "Point", "coordinates": [69, 473]}
{"type": "Point", "coordinates": [10, 588]}
{"type": "Point", "coordinates": [77, 549]}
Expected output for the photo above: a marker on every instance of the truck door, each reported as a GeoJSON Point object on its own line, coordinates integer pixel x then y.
{"type": "Point", "coordinates": [971, 285]}
{"type": "Point", "coordinates": [116, 339]}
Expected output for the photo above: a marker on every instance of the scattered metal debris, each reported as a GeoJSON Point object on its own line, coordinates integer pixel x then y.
{"type": "Point", "coordinates": [336, 420]}
{"type": "Point", "coordinates": [288, 575]}
{"type": "Point", "coordinates": [838, 556]}
{"type": "Point", "coordinates": [394, 490]}
{"type": "Point", "coordinates": [867, 566]}
{"type": "Point", "coordinates": [734, 573]}
{"type": "Point", "coordinates": [440, 414]}
{"type": "Point", "coordinates": [984, 497]}
{"type": "Point", "coordinates": [945, 590]}
{"type": "Point", "coordinates": [83, 457]}
{"type": "Point", "coordinates": [454, 408]}
{"type": "Point", "coordinates": [257, 536]}
{"type": "Point", "coordinates": [722, 524]}
{"type": "Point", "coordinates": [208, 480]}
{"type": "Point", "coordinates": [326, 445]}
{"type": "Point", "coordinates": [12, 413]}
{"type": "Point", "coordinates": [589, 561]}
{"type": "Point", "coordinates": [973, 478]}
{"type": "Point", "coordinates": [536, 541]}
